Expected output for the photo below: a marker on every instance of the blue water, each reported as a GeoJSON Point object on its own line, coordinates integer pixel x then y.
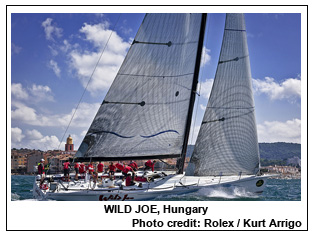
{"type": "Point", "coordinates": [276, 190]}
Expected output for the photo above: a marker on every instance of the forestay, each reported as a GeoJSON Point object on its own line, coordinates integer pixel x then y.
{"type": "Point", "coordinates": [227, 143]}
{"type": "Point", "coordinates": [144, 112]}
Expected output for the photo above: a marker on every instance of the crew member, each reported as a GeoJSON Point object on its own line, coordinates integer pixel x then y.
{"type": "Point", "coordinates": [41, 171]}
{"type": "Point", "coordinates": [119, 166]}
{"type": "Point", "coordinates": [82, 168]}
{"type": "Point", "coordinates": [126, 170]}
{"type": "Point", "coordinates": [100, 167]}
{"type": "Point", "coordinates": [150, 165]}
{"type": "Point", "coordinates": [66, 171]}
{"type": "Point", "coordinates": [129, 180]}
{"type": "Point", "coordinates": [91, 170]}
{"type": "Point", "coordinates": [111, 169]}
{"type": "Point", "coordinates": [133, 165]}
{"type": "Point", "coordinates": [76, 166]}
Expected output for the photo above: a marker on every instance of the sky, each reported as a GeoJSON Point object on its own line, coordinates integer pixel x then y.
{"type": "Point", "coordinates": [54, 55]}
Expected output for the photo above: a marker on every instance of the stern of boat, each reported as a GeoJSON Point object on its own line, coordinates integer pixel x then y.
{"type": "Point", "coordinates": [37, 192]}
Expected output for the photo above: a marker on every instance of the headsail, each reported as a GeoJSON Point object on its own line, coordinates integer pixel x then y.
{"type": "Point", "coordinates": [144, 112]}
{"type": "Point", "coordinates": [227, 142]}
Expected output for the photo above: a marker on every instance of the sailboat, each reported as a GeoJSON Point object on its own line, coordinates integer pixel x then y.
{"type": "Point", "coordinates": [147, 113]}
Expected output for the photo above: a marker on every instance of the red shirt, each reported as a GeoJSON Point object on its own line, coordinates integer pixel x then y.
{"type": "Point", "coordinates": [150, 164]}
{"type": "Point", "coordinates": [100, 167]}
{"type": "Point", "coordinates": [111, 167]}
{"type": "Point", "coordinates": [133, 165]}
{"type": "Point", "coordinates": [82, 168]}
{"type": "Point", "coordinates": [119, 166]}
{"type": "Point", "coordinates": [127, 169]}
{"type": "Point", "coordinates": [128, 181]}
{"type": "Point", "coordinates": [66, 165]}
{"type": "Point", "coordinates": [90, 168]}
{"type": "Point", "coordinates": [76, 165]}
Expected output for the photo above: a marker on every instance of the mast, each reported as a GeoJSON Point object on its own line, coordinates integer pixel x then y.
{"type": "Point", "coordinates": [193, 92]}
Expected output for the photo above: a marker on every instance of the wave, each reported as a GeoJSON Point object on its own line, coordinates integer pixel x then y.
{"type": "Point", "coordinates": [226, 193]}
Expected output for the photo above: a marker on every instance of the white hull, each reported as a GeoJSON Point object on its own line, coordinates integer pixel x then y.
{"type": "Point", "coordinates": [168, 185]}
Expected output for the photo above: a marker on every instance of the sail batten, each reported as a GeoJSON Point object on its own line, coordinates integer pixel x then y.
{"type": "Point", "coordinates": [227, 142]}
{"type": "Point", "coordinates": [145, 110]}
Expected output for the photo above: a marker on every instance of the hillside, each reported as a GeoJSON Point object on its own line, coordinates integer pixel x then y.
{"type": "Point", "coordinates": [270, 151]}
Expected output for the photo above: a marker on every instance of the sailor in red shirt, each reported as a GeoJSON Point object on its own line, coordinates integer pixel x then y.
{"type": "Point", "coordinates": [66, 170]}
{"type": "Point", "coordinates": [91, 170]}
{"type": "Point", "coordinates": [129, 180]}
{"type": "Point", "coordinates": [100, 167]}
{"type": "Point", "coordinates": [76, 166]}
{"type": "Point", "coordinates": [126, 170]}
{"type": "Point", "coordinates": [120, 166]}
{"type": "Point", "coordinates": [111, 169]}
{"type": "Point", "coordinates": [149, 165]}
{"type": "Point", "coordinates": [133, 165]}
{"type": "Point", "coordinates": [82, 168]}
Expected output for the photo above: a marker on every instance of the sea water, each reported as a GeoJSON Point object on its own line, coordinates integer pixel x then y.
{"type": "Point", "coordinates": [276, 190]}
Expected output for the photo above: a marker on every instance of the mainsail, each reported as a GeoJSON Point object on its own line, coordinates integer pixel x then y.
{"type": "Point", "coordinates": [145, 112]}
{"type": "Point", "coordinates": [227, 142]}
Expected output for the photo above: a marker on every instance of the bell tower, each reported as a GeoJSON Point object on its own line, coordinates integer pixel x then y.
{"type": "Point", "coordinates": [69, 146]}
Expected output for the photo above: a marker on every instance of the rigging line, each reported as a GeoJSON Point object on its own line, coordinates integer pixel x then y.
{"type": "Point", "coordinates": [85, 89]}
{"type": "Point", "coordinates": [201, 76]}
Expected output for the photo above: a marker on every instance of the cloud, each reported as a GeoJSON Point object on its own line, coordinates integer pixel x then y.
{"type": "Point", "coordinates": [205, 58]}
{"type": "Point", "coordinates": [289, 89]}
{"type": "Point", "coordinates": [18, 92]}
{"type": "Point", "coordinates": [33, 134]}
{"type": "Point", "coordinates": [83, 62]}
{"type": "Point", "coordinates": [33, 139]}
{"type": "Point", "coordinates": [29, 116]}
{"type": "Point", "coordinates": [15, 49]}
{"type": "Point", "coordinates": [34, 94]}
{"type": "Point", "coordinates": [54, 51]}
{"type": "Point", "coordinates": [193, 134]}
{"type": "Point", "coordinates": [205, 88]}
{"type": "Point", "coordinates": [277, 131]}
{"type": "Point", "coordinates": [16, 134]}
{"type": "Point", "coordinates": [51, 30]}
{"type": "Point", "coordinates": [202, 107]}
{"type": "Point", "coordinates": [41, 93]}
{"type": "Point", "coordinates": [53, 65]}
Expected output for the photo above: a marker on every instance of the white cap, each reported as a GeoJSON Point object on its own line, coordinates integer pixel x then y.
{"type": "Point", "coordinates": [42, 159]}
